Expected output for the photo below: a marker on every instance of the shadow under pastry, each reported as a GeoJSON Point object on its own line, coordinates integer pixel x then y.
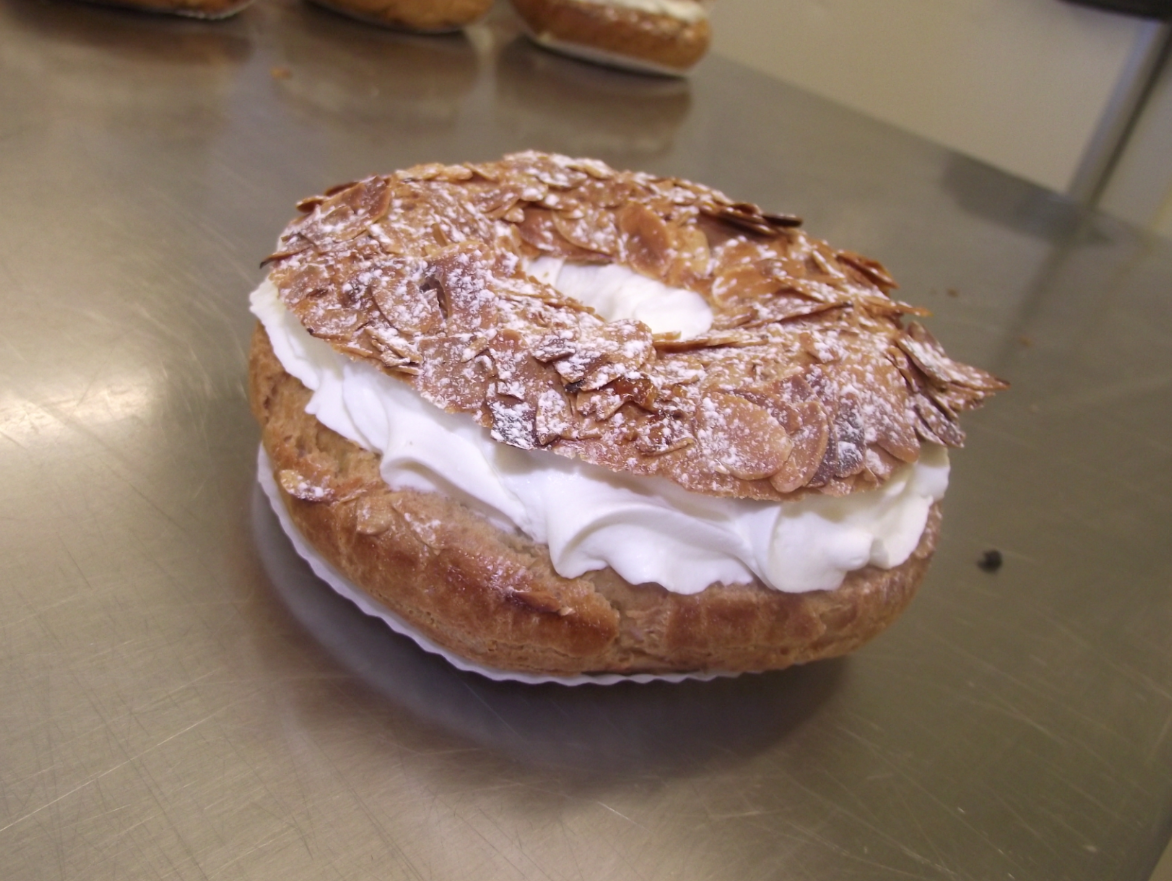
{"type": "Point", "coordinates": [121, 28]}
{"type": "Point", "coordinates": [1013, 203]}
{"type": "Point", "coordinates": [209, 10]}
{"type": "Point", "coordinates": [428, 17]}
{"type": "Point", "coordinates": [138, 79]}
{"type": "Point", "coordinates": [571, 106]}
{"type": "Point", "coordinates": [658, 727]}
{"type": "Point", "coordinates": [346, 70]}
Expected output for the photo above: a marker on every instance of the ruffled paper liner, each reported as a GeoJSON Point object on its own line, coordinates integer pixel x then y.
{"type": "Point", "coordinates": [324, 570]}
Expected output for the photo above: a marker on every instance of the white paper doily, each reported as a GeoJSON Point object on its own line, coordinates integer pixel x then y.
{"type": "Point", "coordinates": [331, 576]}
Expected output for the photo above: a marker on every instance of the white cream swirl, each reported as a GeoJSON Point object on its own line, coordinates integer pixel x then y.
{"type": "Point", "coordinates": [646, 529]}
{"type": "Point", "coordinates": [618, 293]}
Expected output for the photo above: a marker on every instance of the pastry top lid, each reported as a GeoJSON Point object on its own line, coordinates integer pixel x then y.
{"type": "Point", "coordinates": [808, 379]}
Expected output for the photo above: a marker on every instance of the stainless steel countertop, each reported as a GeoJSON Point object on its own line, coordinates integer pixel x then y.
{"type": "Point", "coordinates": [180, 699]}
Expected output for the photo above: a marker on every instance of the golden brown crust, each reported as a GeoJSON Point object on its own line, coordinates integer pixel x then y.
{"type": "Point", "coordinates": [494, 598]}
{"type": "Point", "coordinates": [413, 15]}
{"type": "Point", "coordinates": [662, 40]}
{"type": "Point", "coordinates": [807, 381]}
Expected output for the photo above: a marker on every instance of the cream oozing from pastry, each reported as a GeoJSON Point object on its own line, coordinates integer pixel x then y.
{"type": "Point", "coordinates": [645, 529]}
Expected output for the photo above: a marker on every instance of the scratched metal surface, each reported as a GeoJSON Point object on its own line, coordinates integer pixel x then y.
{"type": "Point", "coordinates": [179, 698]}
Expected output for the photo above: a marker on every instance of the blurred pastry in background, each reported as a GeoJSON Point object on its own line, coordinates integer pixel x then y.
{"type": "Point", "coordinates": [422, 16]}
{"type": "Point", "coordinates": [569, 107]}
{"type": "Point", "coordinates": [647, 36]}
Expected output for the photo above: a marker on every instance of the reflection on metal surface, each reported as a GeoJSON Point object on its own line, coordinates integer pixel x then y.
{"type": "Point", "coordinates": [553, 100]}
{"type": "Point", "coordinates": [618, 729]}
{"type": "Point", "coordinates": [388, 77]}
{"type": "Point", "coordinates": [985, 192]}
{"type": "Point", "coordinates": [126, 35]}
{"type": "Point", "coordinates": [120, 402]}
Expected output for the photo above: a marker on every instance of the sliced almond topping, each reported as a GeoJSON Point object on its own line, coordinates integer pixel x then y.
{"type": "Point", "coordinates": [742, 437]}
{"type": "Point", "coordinates": [806, 380]}
{"type": "Point", "coordinates": [646, 239]}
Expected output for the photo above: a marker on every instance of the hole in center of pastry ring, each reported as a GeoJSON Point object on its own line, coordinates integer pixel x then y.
{"type": "Point", "coordinates": [617, 293]}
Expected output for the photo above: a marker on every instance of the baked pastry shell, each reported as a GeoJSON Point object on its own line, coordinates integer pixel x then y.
{"type": "Point", "coordinates": [614, 35]}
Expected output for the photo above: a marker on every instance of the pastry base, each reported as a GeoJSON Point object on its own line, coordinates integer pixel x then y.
{"type": "Point", "coordinates": [342, 585]}
{"type": "Point", "coordinates": [492, 596]}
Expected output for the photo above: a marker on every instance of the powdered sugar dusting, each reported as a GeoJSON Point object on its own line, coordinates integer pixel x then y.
{"type": "Point", "coordinates": [805, 378]}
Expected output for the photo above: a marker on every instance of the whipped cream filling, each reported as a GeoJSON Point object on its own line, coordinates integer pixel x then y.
{"type": "Point", "coordinates": [646, 529]}
{"type": "Point", "coordinates": [616, 292]}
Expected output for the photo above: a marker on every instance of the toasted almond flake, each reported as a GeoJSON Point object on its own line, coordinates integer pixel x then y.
{"type": "Point", "coordinates": [808, 379]}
